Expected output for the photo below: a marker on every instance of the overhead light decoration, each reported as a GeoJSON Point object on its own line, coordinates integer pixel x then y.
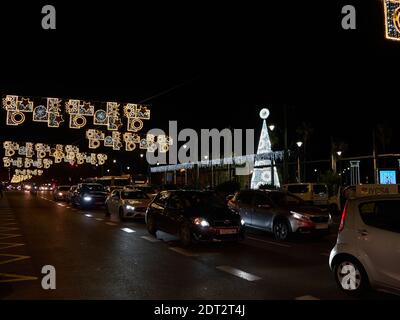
{"type": "Point", "coordinates": [50, 111]}
{"type": "Point", "coordinates": [392, 19]}
{"type": "Point", "coordinates": [46, 156]}
{"type": "Point", "coordinates": [132, 140]}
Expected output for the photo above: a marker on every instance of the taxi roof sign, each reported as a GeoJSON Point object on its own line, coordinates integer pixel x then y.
{"type": "Point", "coordinates": [365, 190]}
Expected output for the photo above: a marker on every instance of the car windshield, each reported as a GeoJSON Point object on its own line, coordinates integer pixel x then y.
{"type": "Point", "coordinates": [199, 199]}
{"type": "Point", "coordinates": [133, 195]}
{"type": "Point", "coordinates": [298, 188]}
{"type": "Point", "coordinates": [63, 188]}
{"type": "Point", "coordinates": [282, 199]}
{"type": "Point", "coordinates": [320, 188]}
{"type": "Point", "coordinates": [93, 187]}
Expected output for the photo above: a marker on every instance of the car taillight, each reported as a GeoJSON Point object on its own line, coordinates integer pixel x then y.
{"type": "Point", "coordinates": [343, 219]}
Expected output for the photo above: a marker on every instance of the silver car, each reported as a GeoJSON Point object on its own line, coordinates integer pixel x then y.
{"type": "Point", "coordinates": [279, 212]}
{"type": "Point", "coordinates": [127, 203]}
{"type": "Point", "coordinates": [367, 252]}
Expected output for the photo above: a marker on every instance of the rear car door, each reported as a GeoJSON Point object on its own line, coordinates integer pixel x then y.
{"type": "Point", "coordinates": [114, 201]}
{"type": "Point", "coordinates": [244, 201]}
{"type": "Point", "coordinates": [263, 211]}
{"type": "Point", "coordinates": [378, 236]}
{"type": "Point", "coordinates": [173, 213]}
{"type": "Point", "coordinates": [157, 209]}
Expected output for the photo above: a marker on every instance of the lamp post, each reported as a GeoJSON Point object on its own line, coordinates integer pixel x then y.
{"type": "Point", "coordinates": [299, 144]}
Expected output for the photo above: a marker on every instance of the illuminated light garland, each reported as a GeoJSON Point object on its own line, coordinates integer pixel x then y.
{"type": "Point", "coordinates": [68, 153]}
{"type": "Point", "coordinates": [392, 19]}
{"type": "Point", "coordinates": [51, 113]}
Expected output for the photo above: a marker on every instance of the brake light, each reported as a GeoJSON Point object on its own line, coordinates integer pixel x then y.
{"type": "Point", "coordinates": [343, 219]}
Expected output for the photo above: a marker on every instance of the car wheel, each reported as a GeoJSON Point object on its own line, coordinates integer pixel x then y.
{"type": "Point", "coordinates": [121, 214]}
{"type": "Point", "coordinates": [151, 225]}
{"type": "Point", "coordinates": [351, 277]}
{"type": "Point", "coordinates": [281, 230]}
{"type": "Point", "coordinates": [108, 213]}
{"type": "Point", "coordinates": [185, 234]}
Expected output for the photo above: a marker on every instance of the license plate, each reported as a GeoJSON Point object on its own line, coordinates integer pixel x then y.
{"type": "Point", "coordinates": [321, 226]}
{"type": "Point", "coordinates": [228, 231]}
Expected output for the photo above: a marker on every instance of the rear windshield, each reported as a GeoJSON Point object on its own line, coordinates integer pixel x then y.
{"type": "Point", "coordinates": [298, 188]}
{"type": "Point", "coordinates": [197, 199]}
{"type": "Point", "coordinates": [63, 188]}
{"type": "Point", "coordinates": [320, 188]}
{"type": "Point", "coordinates": [133, 195]}
{"type": "Point", "coordinates": [282, 199]}
{"type": "Point", "coordinates": [93, 187]}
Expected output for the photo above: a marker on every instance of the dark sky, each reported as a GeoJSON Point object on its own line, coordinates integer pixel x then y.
{"type": "Point", "coordinates": [229, 61]}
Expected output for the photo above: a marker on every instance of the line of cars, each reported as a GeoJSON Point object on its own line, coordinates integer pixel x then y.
{"type": "Point", "coordinates": [366, 255]}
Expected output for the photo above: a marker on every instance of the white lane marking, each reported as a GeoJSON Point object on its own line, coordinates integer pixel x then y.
{"type": "Point", "coordinates": [184, 252]}
{"type": "Point", "coordinates": [89, 215]}
{"type": "Point", "coordinates": [306, 297]}
{"type": "Point", "coordinates": [128, 230]}
{"type": "Point", "coordinates": [99, 219]}
{"type": "Point", "coordinates": [68, 207]}
{"type": "Point", "coordinates": [239, 273]}
{"type": "Point", "coordinates": [270, 242]}
{"type": "Point", "coordinates": [150, 238]}
{"type": "Point", "coordinates": [111, 223]}
{"type": "Point", "coordinates": [61, 205]}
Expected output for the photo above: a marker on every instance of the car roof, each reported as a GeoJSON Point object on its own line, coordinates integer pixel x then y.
{"type": "Point", "coordinates": [375, 197]}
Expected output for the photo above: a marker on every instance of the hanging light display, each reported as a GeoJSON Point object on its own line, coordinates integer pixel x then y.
{"type": "Point", "coordinates": [60, 153]}
{"type": "Point", "coordinates": [52, 111]}
{"type": "Point", "coordinates": [392, 19]}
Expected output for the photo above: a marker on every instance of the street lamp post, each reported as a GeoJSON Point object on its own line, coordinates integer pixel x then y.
{"type": "Point", "coordinates": [299, 144]}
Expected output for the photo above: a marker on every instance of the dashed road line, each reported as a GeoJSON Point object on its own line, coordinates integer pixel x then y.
{"type": "Point", "coordinates": [128, 230]}
{"type": "Point", "coordinates": [14, 257]}
{"type": "Point", "coordinates": [270, 242]}
{"type": "Point", "coordinates": [150, 238]}
{"type": "Point", "coordinates": [7, 236]}
{"type": "Point", "coordinates": [87, 215]}
{"type": "Point", "coordinates": [7, 245]}
{"type": "Point", "coordinates": [15, 277]}
{"type": "Point", "coordinates": [306, 297]}
{"type": "Point", "coordinates": [239, 273]}
{"type": "Point", "coordinates": [183, 252]}
{"type": "Point", "coordinates": [111, 223]}
{"type": "Point", "coordinates": [99, 219]}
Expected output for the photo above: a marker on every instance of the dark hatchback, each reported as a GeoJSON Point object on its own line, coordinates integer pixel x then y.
{"type": "Point", "coordinates": [194, 216]}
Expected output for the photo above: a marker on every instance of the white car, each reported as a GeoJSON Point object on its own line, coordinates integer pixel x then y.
{"type": "Point", "coordinates": [127, 203]}
{"type": "Point", "coordinates": [367, 252]}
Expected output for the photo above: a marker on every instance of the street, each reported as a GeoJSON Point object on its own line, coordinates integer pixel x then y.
{"type": "Point", "coordinates": [102, 258]}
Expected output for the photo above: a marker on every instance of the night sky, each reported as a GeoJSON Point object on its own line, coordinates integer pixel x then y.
{"type": "Point", "coordinates": [227, 61]}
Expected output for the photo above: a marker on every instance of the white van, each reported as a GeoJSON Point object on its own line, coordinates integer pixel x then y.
{"type": "Point", "coordinates": [367, 252]}
{"type": "Point", "coordinates": [313, 193]}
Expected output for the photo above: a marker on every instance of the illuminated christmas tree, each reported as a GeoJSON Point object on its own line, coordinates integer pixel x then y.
{"type": "Point", "coordinates": [262, 168]}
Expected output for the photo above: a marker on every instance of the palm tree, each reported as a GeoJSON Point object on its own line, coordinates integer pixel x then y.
{"type": "Point", "coordinates": [305, 131]}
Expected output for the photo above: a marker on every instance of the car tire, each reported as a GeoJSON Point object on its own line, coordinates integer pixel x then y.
{"type": "Point", "coordinates": [281, 230]}
{"type": "Point", "coordinates": [151, 225]}
{"type": "Point", "coordinates": [350, 276]}
{"type": "Point", "coordinates": [185, 235]}
{"type": "Point", "coordinates": [121, 214]}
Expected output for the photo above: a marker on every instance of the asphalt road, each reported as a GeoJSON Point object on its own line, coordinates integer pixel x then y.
{"type": "Point", "coordinates": [102, 258]}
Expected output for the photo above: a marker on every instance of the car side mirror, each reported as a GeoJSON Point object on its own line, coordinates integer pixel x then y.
{"type": "Point", "coordinates": [264, 206]}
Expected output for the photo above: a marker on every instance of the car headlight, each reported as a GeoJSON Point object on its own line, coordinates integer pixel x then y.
{"type": "Point", "coordinates": [87, 198]}
{"type": "Point", "coordinates": [128, 207]}
{"type": "Point", "coordinates": [201, 222]}
{"type": "Point", "coordinates": [242, 222]}
{"type": "Point", "coordinates": [60, 194]}
{"type": "Point", "coordinates": [299, 216]}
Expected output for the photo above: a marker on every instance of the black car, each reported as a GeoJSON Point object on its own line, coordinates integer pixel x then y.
{"type": "Point", "coordinates": [89, 195]}
{"type": "Point", "coordinates": [195, 216]}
